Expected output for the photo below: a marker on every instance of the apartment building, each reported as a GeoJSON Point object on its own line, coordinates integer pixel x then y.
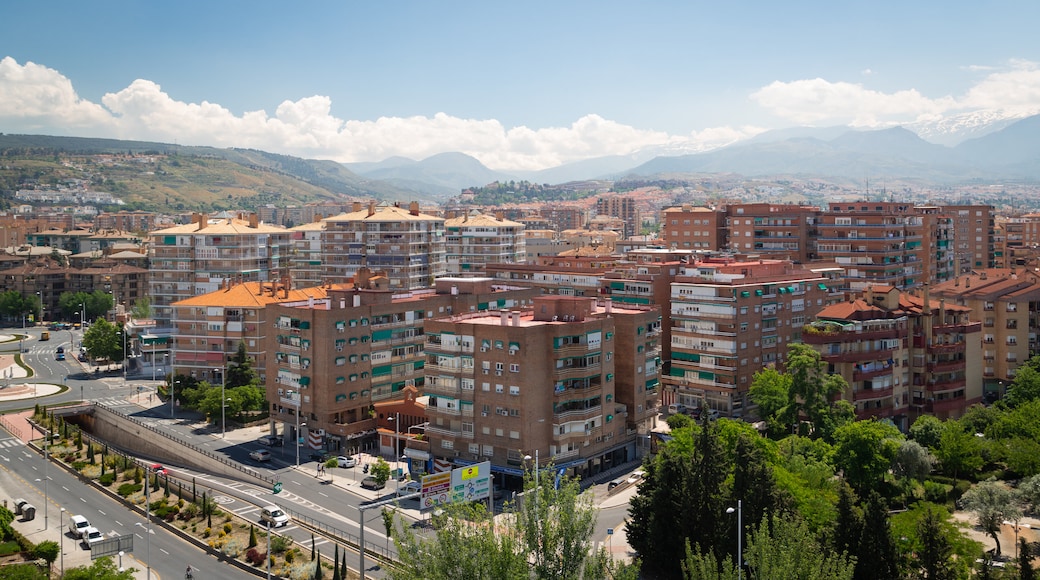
{"type": "Point", "coordinates": [546, 382]}
{"type": "Point", "coordinates": [198, 257]}
{"type": "Point", "coordinates": [208, 328]}
{"type": "Point", "coordinates": [973, 243]}
{"type": "Point", "coordinates": [1007, 303]}
{"type": "Point", "coordinates": [330, 359]}
{"type": "Point", "coordinates": [405, 244]}
{"type": "Point", "coordinates": [474, 240]}
{"type": "Point", "coordinates": [876, 242]}
{"type": "Point", "coordinates": [693, 228]}
{"type": "Point", "coordinates": [624, 208]}
{"type": "Point", "coordinates": [904, 355]}
{"type": "Point", "coordinates": [129, 221]}
{"type": "Point", "coordinates": [773, 231]}
{"type": "Point", "coordinates": [564, 217]}
{"type": "Point", "coordinates": [730, 319]}
{"type": "Point", "coordinates": [305, 261]}
{"type": "Point", "coordinates": [562, 275]}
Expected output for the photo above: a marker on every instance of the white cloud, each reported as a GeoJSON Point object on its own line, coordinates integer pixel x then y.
{"type": "Point", "coordinates": [1016, 86]}
{"type": "Point", "coordinates": [34, 98]}
{"type": "Point", "coordinates": [821, 101]}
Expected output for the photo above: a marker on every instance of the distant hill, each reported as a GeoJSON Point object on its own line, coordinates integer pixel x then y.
{"type": "Point", "coordinates": [445, 173]}
{"type": "Point", "coordinates": [1010, 153]}
{"type": "Point", "coordinates": [186, 177]}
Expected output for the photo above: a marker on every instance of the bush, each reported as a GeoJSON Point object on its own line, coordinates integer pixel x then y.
{"type": "Point", "coordinates": [279, 544]}
{"type": "Point", "coordinates": [8, 548]}
{"type": "Point", "coordinates": [936, 492]}
{"type": "Point", "coordinates": [254, 557]}
{"type": "Point", "coordinates": [289, 557]}
{"type": "Point", "coordinates": [128, 489]}
{"type": "Point", "coordinates": [46, 550]}
{"type": "Point", "coordinates": [959, 489]}
{"type": "Point", "coordinates": [107, 479]}
{"type": "Point", "coordinates": [79, 465]}
{"type": "Point", "coordinates": [228, 527]}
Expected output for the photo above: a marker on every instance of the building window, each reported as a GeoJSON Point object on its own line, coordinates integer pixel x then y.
{"type": "Point", "coordinates": [514, 368]}
{"type": "Point", "coordinates": [499, 389]}
{"type": "Point", "coordinates": [447, 444]}
{"type": "Point", "coordinates": [514, 390]}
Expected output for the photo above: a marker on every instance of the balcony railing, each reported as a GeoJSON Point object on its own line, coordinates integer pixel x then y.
{"type": "Point", "coordinates": [867, 394]}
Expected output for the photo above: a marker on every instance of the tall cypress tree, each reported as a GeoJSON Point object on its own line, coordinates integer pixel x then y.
{"type": "Point", "coordinates": [877, 559]}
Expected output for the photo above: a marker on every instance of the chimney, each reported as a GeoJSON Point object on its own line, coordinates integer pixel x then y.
{"type": "Point", "coordinates": [500, 216]}
{"type": "Point", "coordinates": [342, 304]}
{"type": "Point", "coordinates": [516, 317]}
{"type": "Point", "coordinates": [254, 220]}
{"type": "Point", "coordinates": [356, 206]}
{"type": "Point", "coordinates": [413, 208]}
{"type": "Point", "coordinates": [371, 208]}
{"type": "Point", "coordinates": [609, 305]}
{"type": "Point", "coordinates": [504, 318]}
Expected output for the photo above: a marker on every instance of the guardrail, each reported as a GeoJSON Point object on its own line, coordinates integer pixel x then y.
{"type": "Point", "coordinates": [195, 448]}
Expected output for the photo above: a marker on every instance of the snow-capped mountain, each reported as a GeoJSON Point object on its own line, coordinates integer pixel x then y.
{"type": "Point", "coordinates": [955, 129]}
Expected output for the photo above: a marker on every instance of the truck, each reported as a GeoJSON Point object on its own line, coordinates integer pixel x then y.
{"type": "Point", "coordinates": [45, 335]}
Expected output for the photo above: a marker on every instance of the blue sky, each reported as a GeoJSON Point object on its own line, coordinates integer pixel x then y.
{"type": "Point", "coordinates": [517, 85]}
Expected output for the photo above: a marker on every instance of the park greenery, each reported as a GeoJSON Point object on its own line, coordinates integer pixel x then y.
{"type": "Point", "coordinates": [546, 535]}
{"type": "Point", "coordinates": [826, 496]}
{"type": "Point", "coordinates": [14, 306]}
{"type": "Point", "coordinates": [88, 305]}
{"type": "Point", "coordinates": [242, 393]}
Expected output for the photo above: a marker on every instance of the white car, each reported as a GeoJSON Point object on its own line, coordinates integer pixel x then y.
{"type": "Point", "coordinates": [77, 525]}
{"type": "Point", "coordinates": [274, 516]}
{"type": "Point", "coordinates": [344, 461]}
{"type": "Point", "coordinates": [410, 488]}
{"type": "Point", "coordinates": [91, 535]}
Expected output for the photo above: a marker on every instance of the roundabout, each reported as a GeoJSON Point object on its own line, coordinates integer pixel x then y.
{"type": "Point", "coordinates": [11, 389]}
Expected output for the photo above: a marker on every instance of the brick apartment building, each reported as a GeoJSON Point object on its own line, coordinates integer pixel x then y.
{"type": "Point", "coordinates": [571, 379]}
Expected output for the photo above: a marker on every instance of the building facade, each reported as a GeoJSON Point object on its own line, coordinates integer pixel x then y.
{"type": "Point", "coordinates": [473, 241]}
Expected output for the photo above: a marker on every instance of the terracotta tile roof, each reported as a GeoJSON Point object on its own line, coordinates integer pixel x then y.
{"type": "Point", "coordinates": [480, 220]}
{"type": "Point", "coordinates": [858, 309]}
{"type": "Point", "coordinates": [382, 214]}
{"type": "Point", "coordinates": [221, 226]}
{"type": "Point", "coordinates": [248, 294]}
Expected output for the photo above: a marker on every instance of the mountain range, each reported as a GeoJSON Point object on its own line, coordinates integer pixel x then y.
{"type": "Point", "coordinates": [1006, 149]}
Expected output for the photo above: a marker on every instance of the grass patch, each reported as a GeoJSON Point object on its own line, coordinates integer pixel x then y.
{"type": "Point", "coordinates": [9, 547]}
{"type": "Point", "coordinates": [18, 361]}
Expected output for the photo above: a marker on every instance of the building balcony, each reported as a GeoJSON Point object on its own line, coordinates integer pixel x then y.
{"type": "Point", "coordinates": [571, 350]}
{"type": "Point", "coordinates": [677, 330]}
{"type": "Point", "coordinates": [577, 414]}
{"type": "Point", "coordinates": [941, 386]}
{"type": "Point", "coordinates": [946, 366]}
{"type": "Point", "coordinates": [947, 348]}
{"type": "Point", "coordinates": [943, 406]}
{"type": "Point", "coordinates": [867, 394]}
{"type": "Point", "coordinates": [850, 336]}
{"type": "Point", "coordinates": [576, 372]}
{"type": "Point", "coordinates": [352, 430]}
{"type": "Point", "coordinates": [853, 356]}
{"type": "Point", "coordinates": [958, 327]}
{"type": "Point", "coordinates": [883, 412]}
{"type": "Point", "coordinates": [867, 375]}
{"type": "Point", "coordinates": [438, 389]}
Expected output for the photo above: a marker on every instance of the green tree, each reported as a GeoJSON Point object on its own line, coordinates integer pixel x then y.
{"type": "Point", "coordinates": [912, 463]}
{"type": "Point", "coordinates": [240, 371]}
{"type": "Point", "coordinates": [812, 389]}
{"type": "Point", "coordinates": [782, 546]}
{"type": "Point", "coordinates": [848, 526]}
{"type": "Point", "coordinates": [142, 308]}
{"type": "Point", "coordinates": [46, 550]}
{"type": "Point", "coordinates": [864, 451]}
{"type": "Point", "coordinates": [1026, 385]}
{"type": "Point", "coordinates": [13, 305]}
{"type": "Point", "coordinates": [681, 499]}
{"type": "Point", "coordinates": [91, 306]}
{"type": "Point", "coordinates": [936, 552]}
{"type": "Point", "coordinates": [770, 390]}
{"type": "Point", "coordinates": [927, 430]}
{"type": "Point", "coordinates": [876, 554]}
{"type": "Point", "coordinates": [754, 483]}
{"type": "Point", "coordinates": [679, 422]}
{"type": "Point", "coordinates": [100, 569]}
{"type": "Point", "coordinates": [992, 503]}
{"type": "Point", "coordinates": [958, 451]}
{"type": "Point", "coordinates": [380, 471]}
{"type": "Point", "coordinates": [1025, 560]}
{"type": "Point", "coordinates": [465, 545]}
{"type": "Point", "coordinates": [104, 340]}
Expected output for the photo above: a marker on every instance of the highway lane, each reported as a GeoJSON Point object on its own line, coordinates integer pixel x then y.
{"type": "Point", "coordinates": [22, 474]}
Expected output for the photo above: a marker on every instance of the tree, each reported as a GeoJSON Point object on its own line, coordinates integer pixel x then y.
{"type": "Point", "coordinates": [14, 305]}
{"type": "Point", "coordinates": [812, 388]}
{"type": "Point", "coordinates": [936, 550]}
{"type": "Point", "coordinates": [104, 340]}
{"type": "Point", "coordinates": [380, 471]}
{"type": "Point", "coordinates": [958, 451]}
{"type": "Point", "coordinates": [466, 545]}
{"type": "Point", "coordinates": [992, 503]}
{"type": "Point", "coordinates": [754, 483]}
{"type": "Point", "coordinates": [681, 499]}
{"type": "Point", "coordinates": [240, 371]}
{"type": "Point", "coordinates": [864, 450]}
{"type": "Point", "coordinates": [91, 306]}
{"type": "Point", "coordinates": [1026, 385]}
{"type": "Point", "coordinates": [142, 308]}
{"type": "Point", "coordinates": [912, 462]}
{"type": "Point", "coordinates": [876, 553]}
{"type": "Point", "coordinates": [100, 569]}
{"type": "Point", "coordinates": [1029, 493]}
{"type": "Point", "coordinates": [770, 390]}
{"type": "Point", "coordinates": [783, 547]}
{"type": "Point", "coordinates": [927, 430]}
{"type": "Point", "coordinates": [1025, 560]}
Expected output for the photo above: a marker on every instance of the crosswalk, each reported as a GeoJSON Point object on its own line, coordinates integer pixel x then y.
{"type": "Point", "coordinates": [10, 442]}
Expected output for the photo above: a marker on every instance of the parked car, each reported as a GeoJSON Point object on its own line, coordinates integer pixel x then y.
{"type": "Point", "coordinates": [319, 456]}
{"type": "Point", "coordinates": [676, 408]}
{"type": "Point", "coordinates": [59, 356]}
{"type": "Point", "coordinates": [270, 440]}
{"type": "Point", "coordinates": [260, 455]}
{"type": "Point", "coordinates": [82, 357]}
{"type": "Point", "coordinates": [77, 526]}
{"type": "Point", "coordinates": [91, 535]}
{"type": "Point", "coordinates": [274, 515]}
{"type": "Point", "coordinates": [60, 349]}
{"type": "Point", "coordinates": [371, 482]}
{"type": "Point", "coordinates": [410, 488]}
{"type": "Point", "coordinates": [345, 461]}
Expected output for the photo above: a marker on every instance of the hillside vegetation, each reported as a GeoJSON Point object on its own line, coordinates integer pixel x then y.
{"type": "Point", "coordinates": [162, 177]}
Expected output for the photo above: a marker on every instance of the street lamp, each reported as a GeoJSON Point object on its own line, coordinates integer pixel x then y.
{"type": "Point", "coordinates": [223, 403]}
{"type": "Point", "coordinates": [46, 478]}
{"type": "Point", "coordinates": [62, 549]}
{"type": "Point", "coordinates": [397, 430]}
{"type": "Point", "coordinates": [268, 522]}
{"type": "Point", "coordinates": [537, 519]}
{"type": "Point", "coordinates": [148, 520]}
{"type": "Point", "coordinates": [740, 534]}
{"type": "Point", "coordinates": [173, 382]}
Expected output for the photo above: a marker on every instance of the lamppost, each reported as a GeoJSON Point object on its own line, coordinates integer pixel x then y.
{"type": "Point", "coordinates": [268, 522]}
{"type": "Point", "coordinates": [740, 534]}
{"type": "Point", "coordinates": [46, 478]}
{"type": "Point", "coordinates": [62, 548]}
{"type": "Point", "coordinates": [173, 383]}
{"type": "Point", "coordinates": [537, 491]}
{"type": "Point", "coordinates": [223, 403]}
{"type": "Point", "coordinates": [298, 427]}
{"type": "Point", "coordinates": [147, 526]}
{"type": "Point", "coordinates": [72, 337]}
{"type": "Point", "coordinates": [124, 352]}
{"type": "Point", "coordinates": [397, 430]}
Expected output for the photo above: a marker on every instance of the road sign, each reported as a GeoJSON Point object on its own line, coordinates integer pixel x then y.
{"type": "Point", "coordinates": [472, 482]}
{"type": "Point", "coordinates": [436, 490]}
{"type": "Point", "coordinates": [277, 487]}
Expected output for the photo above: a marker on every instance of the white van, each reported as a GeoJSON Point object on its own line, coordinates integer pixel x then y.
{"type": "Point", "coordinates": [676, 409]}
{"type": "Point", "coordinates": [77, 526]}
